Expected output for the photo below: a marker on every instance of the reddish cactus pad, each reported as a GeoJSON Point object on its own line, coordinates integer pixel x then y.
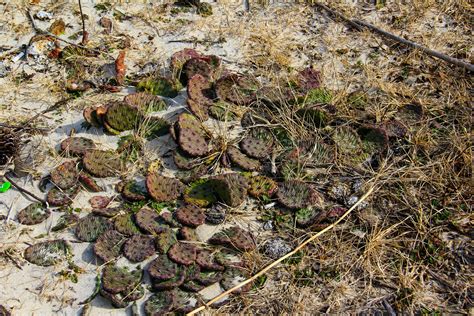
{"type": "Point", "coordinates": [190, 215]}
{"type": "Point", "coordinates": [163, 189]}
{"type": "Point", "coordinates": [182, 253]}
{"type": "Point", "coordinates": [139, 247]}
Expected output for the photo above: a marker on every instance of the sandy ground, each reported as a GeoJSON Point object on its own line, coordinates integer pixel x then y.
{"type": "Point", "coordinates": [294, 39]}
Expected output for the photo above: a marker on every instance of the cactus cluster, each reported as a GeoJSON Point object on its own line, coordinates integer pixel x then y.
{"type": "Point", "coordinates": [77, 146]}
{"type": "Point", "coordinates": [33, 214]}
{"type": "Point", "coordinates": [48, 253]}
{"type": "Point", "coordinates": [163, 189]}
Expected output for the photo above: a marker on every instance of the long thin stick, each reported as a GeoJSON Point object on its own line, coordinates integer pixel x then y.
{"type": "Point", "coordinates": [357, 24]}
{"type": "Point", "coordinates": [19, 188]}
{"type": "Point", "coordinates": [85, 35]}
{"type": "Point", "coordinates": [274, 263]}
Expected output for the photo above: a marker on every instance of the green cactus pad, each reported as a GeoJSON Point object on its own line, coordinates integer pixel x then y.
{"type": "Point", "coordinates": [89, 183]}
{"type": "Point", "coordinates": [242, 161]}
{"type": "Point", "coordinates": [109, 245]}
{"type": "Point", "coordinates": [208, 277]}
{"type": "Point", "coordinates": [120, 279]}
{"type": "Point", "coordinates": [90, 227]}
{"type": "Point", "coordinates": [124, 224]}
{"type": "Point", "coordinates": [233, 276]}
{"type": "Point", "coordinates": [139, 247]}
{"type": "Point", "coordinates": [56, 197]}
{"type": "Point", "coordinates": [149, 221]}
{"type": "Point", "coordinates": [205, 259]}
{"type": "Point", "coordinates": [162, 268]}
{"type": "Point", "coordinates": [192, 138]}
{"type": "Point", "coordinates": [47, 253]}
{"type": "Point", "coordinates": [186, 302]}
{"type": "Point", "coordinates": [236, 89]}
{"type": "Point", "coordinates": [198, 109]}
{"type": "Point", "coordinates": [160, 86]}
{"type": "Point", "coordinates": [234, 237]}
{"type": "Point", "coordinates": [134, 192]}
{"type": "Point", "coordinates": [190, 215]}
{"type": "Point", "coordinates": [374, 139]}
{"type": "Point", "coordinates": [66, 220]}
{"type": "Point", "coordinates": [145, 102]}
{"type": "Point", "coordinates": [33, 214]}
{"type": "Point", "coordinates": [122, 116]}
{"type": "Point", "coordinates": [77, 146]}
{"type": "Point", "coordinates": [101, 163]}
{"type": "Point", "coordinates": [262, 186]}
{"type": "Point", "coordinates": [163, 189]}
{"type": "Point", "coordinates": [200, 193]}
{"type": "Point", "coordinates": [231, 188]}
{"type": "Point", "coordinates": [123, 299]}
{"type": "Point", "coordinates": [187, 233]}
{"type": "Point", "coordinates": [258, 144]}
{"type": "Point", "coordinates": [296, 194]}
{"type": "Point", "coordinates": [165, 240]}
{"type": "Point", "coordinates": [182, 253]}
{"type": "Point", "coordinates": [160, 303]}
{"type": "Point", "coordinates": [175, 281]}
{"type": "Point", "coordinates": [308, 216]}
{"type": "Point", "coordinates": [313, 116]}
{"type": "Point", "coordinates": [349, 146]}
{"type": "Point", "coordinates": [65, 175]}
{"type": "Point", "coordinates": [189, 176]}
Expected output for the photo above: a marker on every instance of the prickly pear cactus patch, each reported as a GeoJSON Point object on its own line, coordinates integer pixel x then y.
{"type": "Point", "coordinates": [109, 245]}
{"type": "Point", "coordinates": [65, 175]}
{"type": "Point", "coordinates": [48, 253]}
{"type": "Point", "coordinates": [160, 303]}
{"type": "Point", "coordinates": [296, 194]}
{"type": "Point", "coordinates": [258, 144]}
{"type": "Point", "coordinates": [262, 186]}
{"type": "Point", "coordinates": [231, 188]}
{"type": "Point", "coordinates": [33, 214]}
{"type": "Point", "coordinates": [182, 253]}
{"type": "Point", "coordinates": [101, 163]}
{"type": "Point", "coordinates": [190, 215]}
{"type": "Point", "coordinates": [242, 161]}
{"type": "Point", "coordinates": [163, 189]}
{"type": "Point", "coordinates": [120, 279]}
{"type": "Point", "coordinates": [77, 146]}
{"type": "Point", "coordinates": [139, 247]}
{"type": "Point", "coordinates": [90, 227]}
{"type": "Point", "coordinates": [145, 102]}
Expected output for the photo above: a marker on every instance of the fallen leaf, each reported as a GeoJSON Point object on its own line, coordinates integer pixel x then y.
{"type": "Point", "coordinates": [120, 67]}
{"type": "Point", "coordinates": [58, 27]}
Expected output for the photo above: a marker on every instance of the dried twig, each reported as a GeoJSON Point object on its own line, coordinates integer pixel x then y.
{"type": "Point", "coordinates": [85, 35]}
{"type": "Point", "coordinates": [359, 25]}
{"type": "Point", "coordinates": [274, 263]}
{"type": "Point", "coordinates": [22, 190]}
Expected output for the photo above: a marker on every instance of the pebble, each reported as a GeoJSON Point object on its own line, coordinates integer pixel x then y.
{"type": "Point", "coordinates": [276, 248]}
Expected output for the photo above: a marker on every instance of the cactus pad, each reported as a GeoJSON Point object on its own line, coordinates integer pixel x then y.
{"type": "Point", "coordinates": [187, 233]}
{"type": "Point", "coordinates": [233, 276]}
{"type": "Point", "coordinates": [223, 111]}
{"type": "Point", "coordinates": [258, 144]}
{"type": "Point", "coordinates": [145, 102]}
{"type": "Point", "coordinates": [231, 188]}
{"type": "Point", "coordinates": [182, 161]}
{"type": "Point", "coordinates": [122, 116]}
{"type": "Point", "coordinates": [216, 214]}
{"type": "Point", "coordinates": [139, 247]}
{"type": "Point", "coordinates": [373, 139]}
{"type": "Point", "coordinates": [162, 268]}
{"type": "Point", "coordinates": [200, 193]}
{"type": "Point", "coordinates": [65, 175]}
{"type": "Point", "coordinates": [76, 146]}
{"type": "Point", "coordinates": [190, 215]}
{"type": "Point", "coordinates": [33, 214]}
{"type": "Point", "coordinates": [90, 227]}
{"type": "Point", "coordinates": [308, 216]}
{"type": "Point", "coordinates": [242, 161]}
{"type": "Point", "coordinates": [123, 299]}
{"type": "Point", "coordinates": [199, 90]}
{"type": "Point", "coordinates": [91, 116]}
{"type": "Point", "coordinates": [163, 189]}
{"type": "Point", "coordinates": [124, 224]}
{"type": "Point", "coordinates": [47, 253]}
{"type": "Point", "coordinates": [186, 302]}
{"type": "Point", "coordinates": [56, 197]}
{"type": "Point", "coordinates": [198, 109]}
{"type": "Point", "coordinates": [205, 259]}
{"type": "Point", "coordinates": [89, 183]}
{"type": "Point", "coordinates": [349, 146]}
{"type": "Point", "coordinates": [65, 220]}
{"type": "Point", "coordinates": [208, 277]}
{"type": "Point", "coordinates": [107, 211]}
{"type": "Point", "coordinates": [182, 253]}
{"type": "Point", "coordinates": [120, 279]}
{"type": "Point", "coordinates": [236, 89]}
{"type": "Point", "coordinates": [160, 303]}
{"type": "Point", "coordinates": [195, 66]}
{"type": "Point", "coordinates": [99, 201]}
{"type": "Point", "coordinates": [179, 58]}
{"type": "Point", "coordinates": [133, 191]}
{"type": "Point", "coordinates": [160, 86]}
{"type": "Point", "coordinates": [192, 138]}
{"type": "Point", "coordinates": [296, 194]}
{"type": "Point", "coordinates": [165, 240]}
{"type": "Point", "coordinates": [192, 286]}
{"type": "Point", "coordinates": [101, 163]}
{"type": "Point", "coordinates": [175, 281]}
{"type": "Point", "coordinates": [234, 237]}
{"type": "Point", "coordinates": [108, 245]}
{"type": "Point", "coordinates": [313, 116]}
{"type": "Point", "coordinates": [149, 221]}
{"type": "Point", "coordinates": [262, 186]}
